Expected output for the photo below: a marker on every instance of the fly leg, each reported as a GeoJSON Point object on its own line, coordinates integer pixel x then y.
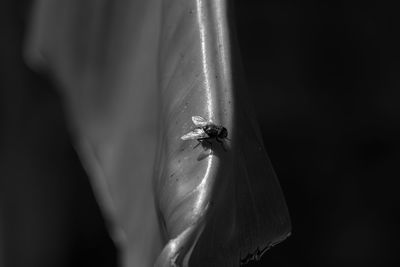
{"type": "Point", "coordinates": [222, 143]}
{"type": "Point", "coordinates": [200, 141]}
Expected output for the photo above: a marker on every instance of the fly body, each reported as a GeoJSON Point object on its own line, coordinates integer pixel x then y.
{"type": "Point", "coordinates": [206, 131]}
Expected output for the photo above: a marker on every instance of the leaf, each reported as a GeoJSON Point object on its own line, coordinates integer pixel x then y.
{"type": "Point", "coordinates": [133, 73]}
{"type": "Point", "coordinates": [103, 55]}
{"type": "Point", "coordinates": [223, 207]}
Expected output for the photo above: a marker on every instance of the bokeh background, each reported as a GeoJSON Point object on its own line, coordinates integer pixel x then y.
{"type": "Point", "coordinates": [324, 78]}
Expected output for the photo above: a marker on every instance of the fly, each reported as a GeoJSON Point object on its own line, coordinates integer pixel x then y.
{"type": "Point", "coordinates": [206, 131]}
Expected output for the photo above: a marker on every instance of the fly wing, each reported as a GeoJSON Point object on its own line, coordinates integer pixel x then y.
{"type": "Point", "coordinates": [195, 134]}
{"type": "Point", "coordinates": [199, 121]}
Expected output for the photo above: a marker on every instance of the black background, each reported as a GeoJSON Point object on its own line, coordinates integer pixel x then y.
{"type": "Point", "coordinates": [324, 78]}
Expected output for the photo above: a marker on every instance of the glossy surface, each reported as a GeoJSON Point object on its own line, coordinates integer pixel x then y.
{"type": "Point", "coordinates": [217, 207]}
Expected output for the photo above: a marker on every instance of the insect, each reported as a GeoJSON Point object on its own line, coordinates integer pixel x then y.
{"type": "Point", "coordinates": [205, 131]}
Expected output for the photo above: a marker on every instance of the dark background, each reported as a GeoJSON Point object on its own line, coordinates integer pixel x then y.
{"type": "Point", "coordinates": [324, 77]}
{"type": "Point", "coordinates": [325, 80]}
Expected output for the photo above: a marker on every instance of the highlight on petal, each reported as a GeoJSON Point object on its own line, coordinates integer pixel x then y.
{"type": "Point", "coordinates": [217, 208]}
